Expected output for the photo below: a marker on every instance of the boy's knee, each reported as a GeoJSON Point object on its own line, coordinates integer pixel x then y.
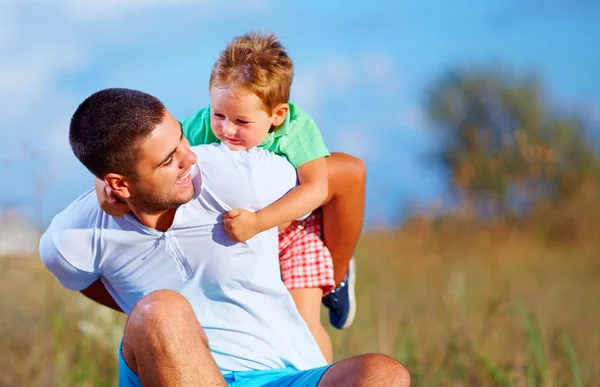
{"type": "Point", "coordinates": [351, 167]}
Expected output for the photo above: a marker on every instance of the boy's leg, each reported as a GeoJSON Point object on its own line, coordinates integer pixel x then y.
{"type": "Point", "coordinates": [165, 345]}
{"type": "Point", "coordinates": [308, 302]}
{"type": "Point", "coordinates": [343, 210]}
{"type": "Point", "coordinates": [343, 214]}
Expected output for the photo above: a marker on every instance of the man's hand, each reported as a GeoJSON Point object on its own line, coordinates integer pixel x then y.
{"type": "Point", "coordinates": [108, 201]}
{"type": "Point", "coordinates": [241, 225]}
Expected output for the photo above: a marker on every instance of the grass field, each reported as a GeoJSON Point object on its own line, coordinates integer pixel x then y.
{"type": "Point", "coordinates": [459, 306]}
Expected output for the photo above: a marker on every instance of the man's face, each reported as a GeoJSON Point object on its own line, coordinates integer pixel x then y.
{"type": "Point", "coordinates": [163, 171]}
{"type": "Point", "coordinates": [237, 119]}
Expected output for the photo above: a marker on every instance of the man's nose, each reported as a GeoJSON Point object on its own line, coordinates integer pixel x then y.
{"type": "Point", "coordinates": [189, 159]}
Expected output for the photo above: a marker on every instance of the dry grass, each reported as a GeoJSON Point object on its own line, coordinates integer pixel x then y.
{"type": "Point", "coordinates": [462, 306]}
{"type": "Point", "coordinates": [457, 304]}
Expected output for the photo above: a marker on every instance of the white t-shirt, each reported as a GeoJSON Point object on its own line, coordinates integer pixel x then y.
{"type": "Point", "coordinates": [236, 291]}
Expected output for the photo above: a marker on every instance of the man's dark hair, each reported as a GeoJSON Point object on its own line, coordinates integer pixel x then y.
{"type": "Point", "coordinates": [107, 128]}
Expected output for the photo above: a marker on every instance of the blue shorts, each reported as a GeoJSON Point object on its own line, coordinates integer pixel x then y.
{"type": "Point", "coordinates": [270, 378]}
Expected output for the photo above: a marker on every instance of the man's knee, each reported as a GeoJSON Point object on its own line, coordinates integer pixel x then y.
{"type": "Point", "coordinates": [369, 370]}
{"type": "Point", "coordinates": [385, 369]}
{"type": "Point", "coordinates": [161, 311]}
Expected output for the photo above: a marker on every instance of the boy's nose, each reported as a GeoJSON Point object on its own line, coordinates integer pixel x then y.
{"type": "Point", "coordinates": [228, 129]}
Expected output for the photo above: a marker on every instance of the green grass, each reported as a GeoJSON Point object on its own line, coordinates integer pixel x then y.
{"type": "Point", "coordinates": [457, 305]}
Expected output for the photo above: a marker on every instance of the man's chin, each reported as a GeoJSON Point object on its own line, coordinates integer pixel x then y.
{"type": "Point", "coordinates": [184, 197]}
{"type": "Point", "coordinates": [154, 206]}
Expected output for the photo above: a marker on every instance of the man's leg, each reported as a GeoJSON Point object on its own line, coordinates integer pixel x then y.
{"type": "Point", "coordinates": [165, 345]}
{"type": "Point", "coordinates": [373, 370]}
{"type": "Point", "coordinates": [343, 210]}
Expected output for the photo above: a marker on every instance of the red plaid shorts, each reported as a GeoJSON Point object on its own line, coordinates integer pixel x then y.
{"type": "Point", "coordinates": [305, 260]}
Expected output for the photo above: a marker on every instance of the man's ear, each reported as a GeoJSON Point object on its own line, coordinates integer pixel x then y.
{"type": "Point", "coordinates": [119, 185]}
{"type": "Point", "coordinates": [279, 114]}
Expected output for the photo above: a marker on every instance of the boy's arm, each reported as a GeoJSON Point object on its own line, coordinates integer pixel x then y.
{"type": "Point", "coordinates": [242, 225]}
{"type": "Point", "coordinates": [302, 200]}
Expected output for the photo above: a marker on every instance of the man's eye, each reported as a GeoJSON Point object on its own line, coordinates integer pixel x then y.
{"type": "Point", "coordinates": [168, 162]}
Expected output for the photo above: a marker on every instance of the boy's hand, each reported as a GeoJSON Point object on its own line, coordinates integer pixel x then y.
{"type": "Point", "coordinates": [241, 225]}
{"type": "Point", "coordinates": [108, 201]}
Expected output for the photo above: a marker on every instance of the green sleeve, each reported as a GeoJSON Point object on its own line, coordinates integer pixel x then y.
{"type": "Point", "coordinates": [302, 141]}
{"type": "Point", "coordinates": [196, 128]}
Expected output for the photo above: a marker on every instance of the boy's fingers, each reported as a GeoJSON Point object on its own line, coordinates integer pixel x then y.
{"type": "Point", "coordinates": [233, 213]}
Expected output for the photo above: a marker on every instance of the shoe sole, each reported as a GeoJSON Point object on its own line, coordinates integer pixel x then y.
{"type": "Point", "coordinates": [351, 295]}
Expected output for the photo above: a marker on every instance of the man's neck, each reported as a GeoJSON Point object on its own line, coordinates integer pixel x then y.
{"type": "Point", "coordinates": [160, 221]}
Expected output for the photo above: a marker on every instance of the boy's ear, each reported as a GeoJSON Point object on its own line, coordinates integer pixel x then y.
{"type": "Point", "coordinates": [119, 185]}
{"type": "Point", "coordinates": [279, 113]}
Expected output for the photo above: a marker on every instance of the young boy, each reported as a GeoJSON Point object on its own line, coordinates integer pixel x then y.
{"type": "Point", "coordinates": [249, 107]}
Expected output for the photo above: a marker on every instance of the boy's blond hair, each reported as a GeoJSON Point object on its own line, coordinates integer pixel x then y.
{"type": "Point", "coordinates": [258, 64]}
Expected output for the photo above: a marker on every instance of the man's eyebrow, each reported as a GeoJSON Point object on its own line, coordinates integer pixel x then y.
{"type": "Point", "coordinates": [174, 150]}
{"type": "Point", "coordinates": [167, 158]}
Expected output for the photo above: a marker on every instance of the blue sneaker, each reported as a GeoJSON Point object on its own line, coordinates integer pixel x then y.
{"type": "Point", "coordinates": [342, 301]}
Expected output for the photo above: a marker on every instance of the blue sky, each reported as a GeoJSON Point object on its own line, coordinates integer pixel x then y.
{"type": "Point", "coordinates": [361, 71]}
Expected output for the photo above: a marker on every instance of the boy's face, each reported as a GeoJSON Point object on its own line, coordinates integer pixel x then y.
{"type": "Point", "coordinates": [238, 119]}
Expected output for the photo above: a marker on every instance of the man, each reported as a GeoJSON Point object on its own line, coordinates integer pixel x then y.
{"type": "Point", "coordinates": [203, 310]}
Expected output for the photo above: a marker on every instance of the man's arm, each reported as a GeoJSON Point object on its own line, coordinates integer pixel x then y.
{"type": "Point", "coordinates": [97, 292]}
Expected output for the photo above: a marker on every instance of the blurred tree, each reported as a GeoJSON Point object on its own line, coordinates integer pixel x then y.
{"type": "Point", "coordinates": [504, 146]}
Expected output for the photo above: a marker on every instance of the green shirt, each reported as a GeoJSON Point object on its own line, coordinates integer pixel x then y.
{"type": "Point", "coordinates": [298, 138]}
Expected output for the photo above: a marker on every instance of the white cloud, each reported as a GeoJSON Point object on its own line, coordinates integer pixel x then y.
{"type": "Point", "coordinates": [381, 71]}
{"type": "Point", "coordinates": [30, 76]}
{"type": "Point", "coordinates": [337, 74]}
{"type": "Point", "coordinates": [110, 9]}
{"type": "Point", "coordinates": [413, 118]}
{"type": "Point", "coordinates": [332, 75]}
{"type": "Point", "coordinates": [356, 141]}
{"type": "Point", "coordinates": [307, 91]}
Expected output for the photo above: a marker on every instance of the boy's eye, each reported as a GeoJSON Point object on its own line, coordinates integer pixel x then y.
{"type": "Point", "coordinates": [218, 115]}
{"type": "Point", "coordinates": [243, 122]}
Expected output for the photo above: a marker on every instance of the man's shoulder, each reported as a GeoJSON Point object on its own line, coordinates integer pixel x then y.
{"type": "Point", "coordinates": [217, 153]}
{"type": "Point", "coordinates": [257, 173]}
{"type": "Point", "coordinates": [82, 213]}
{"type": "Point", "coordinates": [69, 245]}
